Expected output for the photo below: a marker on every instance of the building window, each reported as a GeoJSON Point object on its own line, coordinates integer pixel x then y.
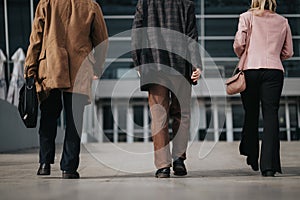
{"type": "Point", "coordinates": [108, 124]}
{"type": "Point", "coordinates": [19, 24]}
{"type": "Point", "coordinates": [2, 28]}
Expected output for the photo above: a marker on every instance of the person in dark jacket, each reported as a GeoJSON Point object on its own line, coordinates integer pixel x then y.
{"type": "Point", "coordinates": [166, 53]}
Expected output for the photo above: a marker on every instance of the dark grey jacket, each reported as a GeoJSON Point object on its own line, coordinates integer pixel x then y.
{"type": "Point", "coordinates": [175, 45]}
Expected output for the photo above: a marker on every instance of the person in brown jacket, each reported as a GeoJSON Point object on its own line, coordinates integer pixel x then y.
{"type": "Point", "coordinates": [68, 44]}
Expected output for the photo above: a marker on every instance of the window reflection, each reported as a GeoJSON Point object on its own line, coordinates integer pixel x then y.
{"type": "Point", "coordinates": [118, 7]}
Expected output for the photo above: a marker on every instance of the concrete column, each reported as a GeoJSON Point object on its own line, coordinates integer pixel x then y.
{"type": "Point", "coordinates": [229, 123]}
{"type": "Point", "coordinates": [86, 125]}
{"type": "Point", "coordinates": [62, 121]}
{"type": "Point", "coordinates": [198, 118]}
{"type": "Point", "coordinates": [95, 127]}
{"type": "Point", "coordinates": [288, 121]}
{"type": "Point", "coordinates": [216, 121]}
{"type": "Point", "coordinates": [202, 41]}
{"type": "Point", "coordinates": [202, 111]}
{"type": "Point", "coordinates": [100, 125]}
{"type": "Point", "coordinates": [130, 125]}
{"type": "Point", "coordinates": [6, 37]}
{"type": "Point", "coordinates": [298, 113]}
{"type": "Point", "coordinates": [3, 85]}
{"type": "Point", "coordinates": [195, 121]}
{"type": "Point", "coordinates": [202, 33]}
{"type": "Point", "coordinates": [116, 123]}
{"type": "Point", "coordinates": [146, 123]}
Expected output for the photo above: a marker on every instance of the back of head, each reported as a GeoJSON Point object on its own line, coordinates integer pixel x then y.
{"type": "Point", "coordinates": [259, 6]}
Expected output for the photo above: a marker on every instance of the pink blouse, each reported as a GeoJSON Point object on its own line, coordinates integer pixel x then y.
{"type": "Point", "coordinates": [270, 42]}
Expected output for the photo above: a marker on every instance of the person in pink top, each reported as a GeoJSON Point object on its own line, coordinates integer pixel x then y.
{"type": "Point", "coordinates": [270, 44]}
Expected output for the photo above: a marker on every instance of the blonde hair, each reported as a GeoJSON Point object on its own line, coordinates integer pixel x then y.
{"type": "Point", "coordinates": [261, 5]}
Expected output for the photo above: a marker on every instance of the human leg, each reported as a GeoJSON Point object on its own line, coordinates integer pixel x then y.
{"type": "Point", "coordinates": [270, 97]}
{"type": "Point", "coordinates": [180, 115]}
{"type": "Point", "coordinates": [50, 112]}
{"type": "Point", "coordinates": [249, 145]}
{"type": "Point", "coordinates": [74, 107]}
{"type": "Point", "coordinates": [159, 107]}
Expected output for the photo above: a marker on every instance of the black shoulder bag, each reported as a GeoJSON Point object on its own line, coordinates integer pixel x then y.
{"type": "Point", "coordinates": [28, 103]}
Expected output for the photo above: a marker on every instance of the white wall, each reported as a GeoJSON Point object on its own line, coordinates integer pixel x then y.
{"type": "Point", "coordinates": [13, 134]}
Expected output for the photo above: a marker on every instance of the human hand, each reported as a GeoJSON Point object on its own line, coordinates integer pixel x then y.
{"type": "Point", "coordinates": [196, 75]}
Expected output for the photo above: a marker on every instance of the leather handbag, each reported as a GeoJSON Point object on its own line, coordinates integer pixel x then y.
{"type": "Point", "coordinates": [28, 103]}
{"type": "Point", "coordinates": [237, 83]}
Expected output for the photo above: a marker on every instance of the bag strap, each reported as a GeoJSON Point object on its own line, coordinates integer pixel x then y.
{"type": "Point", "coordinates": [248, 37]}
{"type": "Point", "coordinates": [246, 48]}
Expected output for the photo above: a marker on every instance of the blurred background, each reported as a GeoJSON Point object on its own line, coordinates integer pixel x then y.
{"type": "Point", "coordinates": [108, 119]}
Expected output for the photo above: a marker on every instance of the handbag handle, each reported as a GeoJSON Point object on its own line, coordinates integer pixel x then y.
{"type": "Point", "coordinates": [29, 80]}
{"type": "Point", "coordinates": [244, 56]}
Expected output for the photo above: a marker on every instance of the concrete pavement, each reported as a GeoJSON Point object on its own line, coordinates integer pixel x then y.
{"type": "Point", "coordinates": [126, 171]}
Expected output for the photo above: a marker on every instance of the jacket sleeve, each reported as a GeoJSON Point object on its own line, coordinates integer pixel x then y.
{"type": "Point", "coordinates": [36, 41]}
{"type": "Point", "coordinates": [287, 50]}
{"type": "Point", "coordinates": [192, 33]}
{"type": "Point", "coordinates": [136, 35]}
{"type": "Point", "coordinates": [99, 37]}
{"type": "Point", "coordinates": [240, 37]}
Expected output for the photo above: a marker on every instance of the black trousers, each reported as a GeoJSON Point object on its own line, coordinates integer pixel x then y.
{"type": "Point", "coordinates": [51, 108]}
{"type": "Point", "coordinates": [263, 86]}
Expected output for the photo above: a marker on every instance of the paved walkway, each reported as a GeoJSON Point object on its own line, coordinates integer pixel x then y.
{"type": "Point", "coordinates": [107, 173]}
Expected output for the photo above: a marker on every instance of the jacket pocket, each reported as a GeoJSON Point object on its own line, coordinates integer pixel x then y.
{"type": "Point", "coordinates": [58, 67]}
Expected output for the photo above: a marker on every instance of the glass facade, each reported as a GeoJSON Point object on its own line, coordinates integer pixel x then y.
{"type": "Point", "coordinates": [217, 26]}
{"type": "Point", "coordinates": [19, 24]}
{"type": "Point", "coordinates": [217, 23]}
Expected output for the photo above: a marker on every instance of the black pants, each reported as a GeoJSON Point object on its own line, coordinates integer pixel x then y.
{"type": "Point", "coordinates": [263, 86]}
{"type": "Point", "coordinates": [50, 111]}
